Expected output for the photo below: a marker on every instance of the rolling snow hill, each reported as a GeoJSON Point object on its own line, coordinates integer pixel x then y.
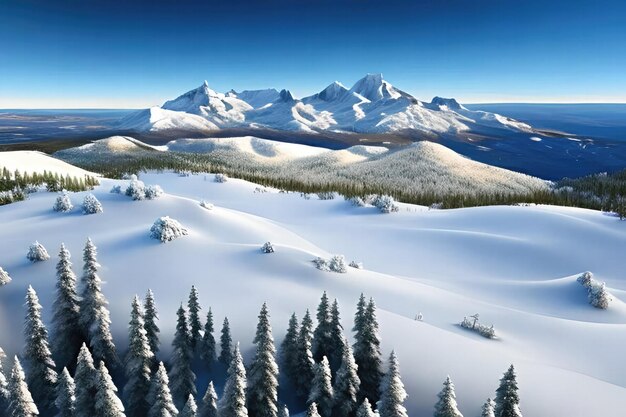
{"type": "Point", "coordinates": [516, 266]}
{"type": "Point", "coordinates": [38, 162]}
{"type": "Point", "coordinates": [372, 105]}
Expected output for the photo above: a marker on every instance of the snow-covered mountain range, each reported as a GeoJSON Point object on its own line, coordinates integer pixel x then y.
{"type": "Point", "coordinates": [372, 105]}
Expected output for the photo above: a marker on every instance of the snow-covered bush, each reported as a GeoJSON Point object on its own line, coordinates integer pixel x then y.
{"type": "Point", "coordinates": [116, 189]}
{"type": "Point", "coordinates": [357, 201]}
{"type": "Point", "coordinates": [306, 196]}
{"type": "Point", "coordinates": [153, 191]}
{"type": "Point", "coordinates": [63, 203]}
{"type": "Point", "coordinates": [4, 277]}
{"type": "Point", "coordinates": [136, 189]}
{"type": "Point", "coordinates": [356, 265]}
{"type": "Point", "coordinates": [321, 264]}
{"type": "Point", "coordinates": [472, 323]}
{"type": "Point", "coordinates": [221, 178]}
{"type": "Point", "coordinates": [37, 253]}
{"type": "Point", "coordinates": [206, 205]}
{"type": "Point", "coordinates": [597, 293]}
{"type": "Point", "coordinates": [267, 248]}
{"type": "Point", "coordinates": [184, 173]}
{"type": "Point", "coordinates": [166, 229]}
{"type": "Point", "coordinates": [326, 195]}
{"type": "Point", "coordinates": [386, 204]}
{"type": "Point", "coordinates": [91, 205]}
{"type": "Point", "coordinates": [338, 264]}
{"type": "Point", "coordinates": [435, 206]}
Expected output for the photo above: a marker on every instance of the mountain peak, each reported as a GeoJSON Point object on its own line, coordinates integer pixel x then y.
{"type": "Point", "coordinates": [332, 92]}
{"type": "Point", "coordinates": [373, 87]}
{"type": "Point", "coordinates": [285, 95]}
{"type": "Point", "coordinates": [450, 103]}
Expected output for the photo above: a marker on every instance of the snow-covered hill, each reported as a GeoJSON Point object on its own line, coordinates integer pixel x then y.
{"type": "Point", "coordinates": [372, 105]}
{"type": "Point", "coordinates": [516, 266]}
{"type": "Point", "coordinates": [38, 162]}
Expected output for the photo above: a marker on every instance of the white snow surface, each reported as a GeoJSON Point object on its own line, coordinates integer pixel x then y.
{"type": "Point", "coordinates": [515, 266]}
{"type": "Point", "coordinates": [38, 162]}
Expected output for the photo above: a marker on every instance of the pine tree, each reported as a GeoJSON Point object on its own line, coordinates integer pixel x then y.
{"type": "Point", "coordinates": [488, 409]}
{"type": "Point", "coordinates": [208, 407]}
{"type": "Point", "coordinates": [359, 316]}
{"type": "Point", "coordinates": [94, 315]}
{"type": "Point", "coordinates": [263, 375]}
{"type": "Point", "coordinates": [21, 401]}
{"type": "Point", "coordinates": [392, 391]}
{"type": "Point", "coordinates": [347, 384]}
{"type": "Point", "coordinates": [4, 385]}
{"type": "Point", "coordinates": [66, 336]}
{"type": "Point", "coordinates": [182, 377]}
{"type": "Point", "coordinates": [85, 380]}
{"type": "Point", "coordinates": [160, 396]}
{"type": "Point", "coordinates": [66, 401]}
{"type": "Point", "coordinates": [4, 277]}
{"type": "Point", "coordinates": [289, 350]}
{"type": "Point", "coordinates": [207, 344]}
{"type": "Point", "coordinates": [151, 316]}
{"type": "Point", "coordinates": [304, 361]}
{"type": "Point", "coordinates": [367, 351]}
{"type": "Point", "coordinates": [507, 397]}
{"type": "Point", "coordinates": [283, 411]}
{"type": "Point", "coordinates": [321, 388]}
{"type": "Point", "coordinates": [322, 337]}
{"type": "Point", "coordinates": [311, 411]}
{"type": "Point", "coordinates": [446, 406]}
{"type": "Point", "coordinates": [226, 342]}
{"type": "Point", "coordinates": [365, 410]}
{"type": "Point", "coordinates": [107, 404]}
{"type": "Point", "coordinates": [195, 326]}
{"type": "Point", "coordinates": [138, 360]}
{"type": "Point", "coordinates": [41, 377]}
{"type": "Point", "coordinates": [190, 409]}
{"type": "Point", "coordinates": [337, 339]}
{"type": "Point", "coordinates": [233, 402]}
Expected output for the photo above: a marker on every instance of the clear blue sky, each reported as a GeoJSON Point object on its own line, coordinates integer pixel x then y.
{"type": "Point", "coordinates": [93, 53]}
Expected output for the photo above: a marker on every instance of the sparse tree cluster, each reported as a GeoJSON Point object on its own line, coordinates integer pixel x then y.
{"type": "Point", "coordinates": [137, 190]}
{"type": "Point", "coordinates": [472, 323]}
{"type": "Point", "coordinates": [598, 295]}
{"type": "Point", "coordinates": [337, 263]}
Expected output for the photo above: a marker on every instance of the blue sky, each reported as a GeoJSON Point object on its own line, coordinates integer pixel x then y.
{"type": "Point", "coordinates": [129, 54]}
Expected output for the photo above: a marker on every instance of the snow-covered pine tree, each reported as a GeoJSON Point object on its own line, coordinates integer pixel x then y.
{"type": "Point", "coordinates": [337, 339]}
{"type": "Point", "coordinates": [41, 376]}
{"type": "Point", "coordinates": [66, 334]}
{"type": "Point", "coordinates": [207, 344]}
{"type": "Point", "coordinates": [367, 351]}
{"type": "Point", "coordinates": [321, 388]}
{"type": "Point", "coordinates": [226, 344]}
{"type": "Point", "coordinates": [160, 396]}
{"type": "Point", "coordinates": [322, 339]}
{"type": "Point", "coordinates": [359, 316]}
{"type": "Point", "coordinates": [283, 411]}
{"type": "Point", "coordinates": [37, 253]}
{"type": "Point", "coordinates": [365, 409]}
{"type": "Point", "coordinates": [208, 407]}
{"type": "Point", "coordinates": [392, 393]}
{"type": "Point", "coordinates": [94, 315]}
{"type": "Point", "coordinates": [91, 205]}
{"type": "Point", "coordinates": [4, 385]}
{"type": "Point", "coordinates": [311, 411]}
{"type": "Point", "coordinates": [190, 409]}
{"type": "Point", "coordinates": [138, 361]}
{"type": "Point", "coordinates": [181, 376]}
{"type": "Point", "coordinates": [151, 316]}
{"type": "Point", "coordinates": [507, 397]}
{"type": "Point", "coordinates": [446, 406]}
{"type": "Point", "coordinates": [346, 385]}
{"type": "Point", "coordinates": [107, 404]}
{"type": "Point", "coordinates": [488, 409]}
{"type": "Point", "coordinates": [304, 362]}
{"type": "Point", "coordinates": [262, 391]}
{"type": "Point", "coordinates": [4, 277]}
{"type": "Point", "coordinates": [85, 380]}
{"type": "Point", "coordinates": [233, 402]}
{"type": "Point", "coordinates": [289, 350]}
{"type": "Point", "coordinates": [65, 400]}
{"type": "Point", "coordinates": [21, 402]}
{"type": "Point", "coordinates": [195, 326]}
{"type": "Point", "coordinates": [63, 203]}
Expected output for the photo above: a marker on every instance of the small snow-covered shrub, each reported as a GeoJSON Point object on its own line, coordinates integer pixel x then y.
{"type": "Point", "coordinates": [116, 189]}
{"type": "Point", "coordinates": [206, 205]}
{"type": "Point", "coordinates": [597, 293]}
{"type": "Point", "coordinates": [327, 195]}
{"type": "Point", "coordinates": [338, 264]}
{"type": "Point", "coordinates": [63, 203]}
{"type": "Point", "coordinates": [267, 248]}
{"type": "Point", "coordinates": [153, 191]}
{"type": "Point", "coordinates": [136, 189]}
{"type": "Point", "coordinates": [4, 277]}
{"type": "Point", "coordinates": [37, 253]}
{"type": "Point", "coordinates": [435, 206]}
{"type": "Point", "coordinates": [472, 323]}
{"type": "Point", "coordinates": [386, 204]}
{"type": "Point", "coordinates": [321, 264]}
{"type": "Point", "coordinates": [357, 201]}
{"type": "Point", "coordinates": [356, 265]}
{"type": "Point", "coordinates": [306, 196]}
{"type": "Point", "coordinates": [184, 173]}
{"type": "Point", "coordinates": [166, 229]}
{"type": "Point", "coordinates": [221, 178]}
{"type": "Point", "coordinates": [91, 205]}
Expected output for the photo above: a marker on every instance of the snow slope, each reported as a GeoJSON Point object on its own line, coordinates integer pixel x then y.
{"type": "Point", "coordinates": [34, 161]}
{"type": "Point", "coordinates": [371, 105]}
{"type": "Point", "coordinates": [516, 266]}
